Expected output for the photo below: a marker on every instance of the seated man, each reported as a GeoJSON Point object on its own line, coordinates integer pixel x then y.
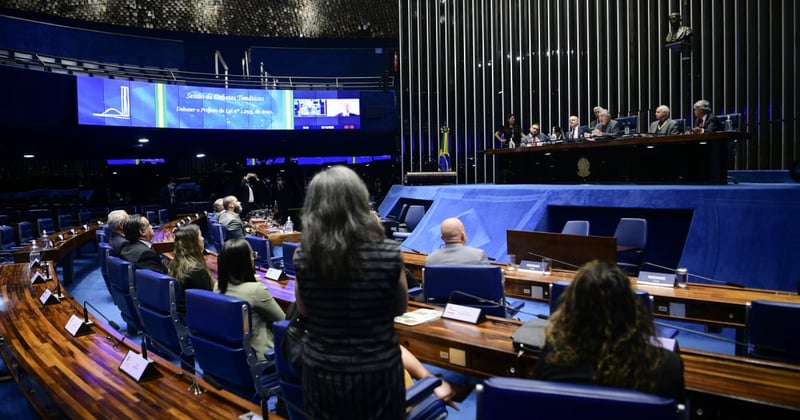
{"type": "Point", "coordinates": [139, 250]}
{"type": "Point", "coordinates": [116, 221]}
{"type": "Point", "coordinates": [605, 126]}
{"type": "Point", "coordinates": [218, 208]}
{"type": "Point", "coordinates": [454, 250]}
{"type": "Point", "coordinates": [229, 219]}
{"type": "Point", "coordinates": [663, 123]}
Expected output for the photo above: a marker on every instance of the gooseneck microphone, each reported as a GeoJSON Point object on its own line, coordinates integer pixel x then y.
{"type": "Point", "coordinates": [86, 320]}
{"type": "Point", "coordinates": [726, 283]}
{"type": "Point", "coordinates": [570, 265]}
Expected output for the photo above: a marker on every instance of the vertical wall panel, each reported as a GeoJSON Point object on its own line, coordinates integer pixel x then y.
{"type": "Point", "coordinates": [470, 63]}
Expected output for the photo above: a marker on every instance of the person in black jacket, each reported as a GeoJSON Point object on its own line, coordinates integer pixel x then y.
{"type": "Point", "coordinates": [139, 250]}
{"type": "Point", "coordinates": [704, 121]}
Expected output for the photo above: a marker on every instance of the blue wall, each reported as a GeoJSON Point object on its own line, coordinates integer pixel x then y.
{"type": "Point", "coordinates": [745, 233]}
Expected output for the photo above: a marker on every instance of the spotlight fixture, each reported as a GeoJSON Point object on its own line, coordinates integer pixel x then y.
{"type": "Point", "coordinates": [144, 140]}
{"type": "Point", "coordinates": [28, 156]}
{"type": "Point", "coordinates": [200, 155]}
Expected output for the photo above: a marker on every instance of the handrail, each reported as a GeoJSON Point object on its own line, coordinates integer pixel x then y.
{"type": "Point", "coordinates": [56, 64]}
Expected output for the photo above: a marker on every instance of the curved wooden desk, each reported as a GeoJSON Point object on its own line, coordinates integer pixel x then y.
{"type": "Point", "coordinates": [62, 251]}
{"type": "Point", "coordinates": [164, 236]}
{"type": "Point", "coordinates": [79, 377]}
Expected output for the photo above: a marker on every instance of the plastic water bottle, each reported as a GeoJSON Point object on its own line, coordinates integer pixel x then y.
{"type": "Point", "coordinates": [728, 124]}
{"type": "Point", "coordinates": [627, 131]}
{"type": "Point", "coordinates": [511, 144]}
{"type": "Point", "coordinates": [289, 226]}
{"type": "Point", "coordinates": [44, 241]}
{"type": "Point", "coordinates": [35, 252]}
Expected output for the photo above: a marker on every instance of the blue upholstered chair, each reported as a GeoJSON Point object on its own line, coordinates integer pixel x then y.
{"type": "Point", "coordinates": [45, 224]}
{"type": "Point", "coordinates": [773, 330]}
{"type": "Point", "coordinates": [65, 222]}
{"type": "Point", "coordinates": [412, 219]}
{"type": "Point", "coordinates": [220, 331]}
{"type": "Point", "coordinates": [84, 217]}
{"type": "Point", "coordinates": [217, 233]}
{"type": "Point", "coordinates": [120, 277]}
{"type": "Point", "coordinates": [7, 238]}
{"type": "Point", "coordinates": [500, 398]}
{"type": "Point", "coordinates": [576, 227]}
{"type": "Point", "coordinates": [103, 252]}
{"type": "Point", "coordinates": [157, 299]}
{"type": "Point", "coordinates": [25, 232]}
{"type": "Point", "coordinates": [631, 122]}
{"type": "Point", "coordinates": [262, 246]}
{"type": "Point", "coordinates": [163, 216]}
{"type": "Point", "coordinates": [288, 258]}
{"type": "Point", "coordinates": [420, 395]}
{"type": "Point", "coordinates": [444, 284]}
{"type": "Point", "coordinates": [151, 217]}
{"type": "Point", "coordinates": [736, 121]}
{"type": "Point", "coordinates": [631, 235]}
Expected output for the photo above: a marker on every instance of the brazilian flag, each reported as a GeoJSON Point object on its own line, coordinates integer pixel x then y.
{"type": "Point", "coordinates": [444, 150]}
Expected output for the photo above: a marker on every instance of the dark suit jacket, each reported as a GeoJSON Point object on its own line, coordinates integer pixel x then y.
{"type": "Point", "coordinates": [581, 130]}
{"type": "Point", "coordinates": [142, 256]}
{"type": "Point", "coordinates": [711, 125]}
{"type": "Point", "coordinates": [117, 242]}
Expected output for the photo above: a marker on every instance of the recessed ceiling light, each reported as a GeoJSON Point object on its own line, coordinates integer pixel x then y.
{"type": "Point", "coordinates": [200, 155]}
{"type": "Point", "coordinates": [144, 140]}
{"type": "Point", "coordinates": [28, 156]}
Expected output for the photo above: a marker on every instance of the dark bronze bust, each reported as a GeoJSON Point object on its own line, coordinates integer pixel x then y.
{"type": "Point", "coordinates": [677, 32]}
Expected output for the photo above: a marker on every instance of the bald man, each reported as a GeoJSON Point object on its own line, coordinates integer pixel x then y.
{"type": "Point", "coordinates": [454, 250]}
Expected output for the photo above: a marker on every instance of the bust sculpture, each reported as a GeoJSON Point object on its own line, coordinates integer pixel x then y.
{"type": "Point", "coordinates": [677, 32]}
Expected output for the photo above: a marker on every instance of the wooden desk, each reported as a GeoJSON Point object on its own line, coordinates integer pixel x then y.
{"type": "Point", "coordinates": [683, 159]}
{"type": "Point", "coordinates": [164, 237]}
{"type": "Point", "coordinates": [574, 250]}
{"type": "Point", "coordinates": [277, 237]}
{"type": "Point", "coordinates": [79, 377]}
{"type": "Point", "coordinates": [714, 382]}
{"type": "Point", "coordinates": [62, 251]}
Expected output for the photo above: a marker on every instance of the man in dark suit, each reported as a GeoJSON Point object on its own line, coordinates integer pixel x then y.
{"type": "Point", "coordinates": [576, 130]}
{"type": "Point", "coordinates": [455, 251]}
{"type": "Point", "coordinates": [116, 222]}
{"type": "Point", "coordinates": [663, 124]}
{"type": "Point", "coordinates": [139, 250]}
{"type": "Point", "coordinates": [704, 121]}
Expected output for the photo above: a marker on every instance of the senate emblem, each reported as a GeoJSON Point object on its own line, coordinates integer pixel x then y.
{"type": "Point", "coordinates": [583, 167]}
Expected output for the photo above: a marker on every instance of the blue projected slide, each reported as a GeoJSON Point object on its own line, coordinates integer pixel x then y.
{"type": "Point", "coordinates": [113, 102]}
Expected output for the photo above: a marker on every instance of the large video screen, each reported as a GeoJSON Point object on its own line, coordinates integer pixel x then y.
{"type": "Point", "coordinates": [112, 102]}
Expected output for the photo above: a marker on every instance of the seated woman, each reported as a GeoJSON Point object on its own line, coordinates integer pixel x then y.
{"type": "Point", "coordinates": [237, 277]}
{"type": "Point", "coordinates": [601, 334]}
{"type": "Point", "coordinates": [189, 267]}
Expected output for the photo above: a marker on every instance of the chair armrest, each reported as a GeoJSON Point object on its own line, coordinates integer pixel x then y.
{"type": "Point", "coordinates": [414, 291]}
{"type": "Point", "coordinates": [421, 389]}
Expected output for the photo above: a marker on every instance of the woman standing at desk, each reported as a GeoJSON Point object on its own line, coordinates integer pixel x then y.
{"type": "Point", "coordinates": [601, 334]}
{"type": "Point", "coordinates": [350, 286]}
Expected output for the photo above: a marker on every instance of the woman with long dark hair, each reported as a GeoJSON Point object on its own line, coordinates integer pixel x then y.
{"type": "Point", "coordinates": [189, 267]}
{"type": "Point", "coordinates": [350, 286]}
{"type": "Point", "coordinates": [236, 277]}
{"type": "Point", "coordinates": [601, 334]}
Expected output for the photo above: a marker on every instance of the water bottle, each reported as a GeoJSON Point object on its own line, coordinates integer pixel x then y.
{"type": "Point", "coordinates": [627, 131]}
{"type": "Point", "coordinates": [35, 252]}
{"type": "Point", "coordinates": [44, 241]}
{"type": "Point", "coordinates": [511, 144]}
{"type": "Point", "coordinates": [729, 124]}
{"type": "Point", "coordinates": [289, 226]}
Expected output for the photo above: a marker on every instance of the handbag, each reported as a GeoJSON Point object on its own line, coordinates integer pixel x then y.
{"type": "Point", "coordinates": [294, 340]}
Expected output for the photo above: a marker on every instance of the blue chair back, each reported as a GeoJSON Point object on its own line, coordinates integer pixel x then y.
{"type": "Point", "coordinates": [291, 385]}
{"type": "Point", "coordinates": [412, 219]}
{"type": "Point", "coordinates": [7, 237]}
{"type": "Point", "coordinates": [220, 329]}
{"type": "Point", "coordinates": [151, 217]}
{"type": "Point", "coordinates": [25, 232]}
{"type": "Point", "coordinates": [84, 217]}
{"type": "Point", "coordinates": [631, 232]}
{"type": "Point", "coordinates": [557, 289]}
{"type": "Point", "coordinates": [158, 296]}
{"type": "Point", "coordinates": [120, 277]}
{"type": "Point", "coordinates": [288, 258]}
{"type": "Point", "coordinates": [576, 227]}
{"type": "Point", "coordinates": [64, 221]}
{"type": "Point", "coordinates": [217, 233]}
{"type": "Point", "coordinates": [508, 397]}
{"type": "Point", "coordinates": [45, 224]}
{"type": "Point", "coordinates": [630, 122]}
{"type": "Point", "coordinates": [104, 250]}
{"type": "Point", "coordinates": [261, 246]}
{"type": "Point", "coordinates": [773, 330]}
{"type": "Point", "coordinates": [401, 217]}
{"type": "Point", "coordinates": [34, 214]}
{"type": "Point", "coordinates": [163, 216]}
{"type": "Point", "coordinates": [736, 121]}
{"type": "Point", "coordinates": [442, 284]}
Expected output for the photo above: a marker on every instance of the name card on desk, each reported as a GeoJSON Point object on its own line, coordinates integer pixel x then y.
{"type": "Point", "coordinates": [34, 264]}
{"type": "Point", "coordinates": [273, 274]}
{"type": "Point", "coordinates": [37, 278]}
{"type": "Point", "coordinates": [76, 327]}
{"type": "Point", "coordinates": [651, 278]}
{"type": "Point", "coordinates": [138, 368]}
{"type": "Point", "coordinates": [48, 298]}
{"type": "Point", "coordinates": [462, 313]}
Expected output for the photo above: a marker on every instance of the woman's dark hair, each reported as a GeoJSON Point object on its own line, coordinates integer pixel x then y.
{"type": "Point", "coordinates": [601, 322]}
{"type": "Point", "coordinates": [336, 221]}
{"type": "Point", "coordinates": [188, 253]}
{"type": "Point", "coordinates": [509, 117]}
{"type": "Point", "coordinates": [235, 264]}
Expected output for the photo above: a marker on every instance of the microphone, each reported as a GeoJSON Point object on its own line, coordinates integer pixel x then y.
{"type": "Point", "coordinates": [570, 265]}
{"type": "Point", "coordinates": [144, 350]}
{"type": "Point", "coordinates": [495, 303]}
{"type": "Point", "coordinates": [86, 320]}
{"type": "Point", "coordinates": [58, 293]}
{"type": "Point", "coordinates": [726, 283]}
